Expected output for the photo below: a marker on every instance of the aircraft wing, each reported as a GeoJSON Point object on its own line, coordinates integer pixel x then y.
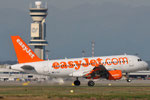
{"type": "Point", "coordinates": [99, 72]}
{"type": "Point", "coordinates": [80, 73]}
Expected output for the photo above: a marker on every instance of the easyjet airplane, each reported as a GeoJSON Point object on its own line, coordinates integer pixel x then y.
{"type": "Point", "coordinates": [109, 67]}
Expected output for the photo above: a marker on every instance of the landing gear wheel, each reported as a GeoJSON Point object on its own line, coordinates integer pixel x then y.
{"type": "Point", "coordinates": [128, 80]}
{"type": "Point", "coordinates": [91, 83]}
{"type": "Point", "coordinates": [77, 83]}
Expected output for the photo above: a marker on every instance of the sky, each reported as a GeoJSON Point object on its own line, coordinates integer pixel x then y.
{"type": "Point", "coordinates": [116, 26]}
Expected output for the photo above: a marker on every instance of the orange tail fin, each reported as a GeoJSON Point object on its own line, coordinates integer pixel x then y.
{"type": "Point", "coordinates": [23, 52]}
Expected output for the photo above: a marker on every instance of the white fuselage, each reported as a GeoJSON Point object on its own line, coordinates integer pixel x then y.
{"type": "Point", "coordinates": [68, 67]}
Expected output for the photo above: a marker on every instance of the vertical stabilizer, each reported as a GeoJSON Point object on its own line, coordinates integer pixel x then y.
{"type": "Point", "coordinates": [23, 52]}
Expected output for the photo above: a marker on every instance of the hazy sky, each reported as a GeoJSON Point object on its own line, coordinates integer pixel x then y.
{"type": "Point", "coordinates": [117, 26]}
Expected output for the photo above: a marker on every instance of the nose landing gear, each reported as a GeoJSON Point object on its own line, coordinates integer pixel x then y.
{"type": "Point", "coordinates": [128, 79]}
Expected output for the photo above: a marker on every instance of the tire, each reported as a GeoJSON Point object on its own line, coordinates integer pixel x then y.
{"type": "Point", "coordinates": [77, 83]}
{"type": "Point", "coordinates": [91, 83]}
{"type": "Point", "coordinates": [128, 80]}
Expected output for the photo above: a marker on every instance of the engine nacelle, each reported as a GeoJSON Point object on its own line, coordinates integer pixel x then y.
{"type": "Point", "coordinates": [115, 75]}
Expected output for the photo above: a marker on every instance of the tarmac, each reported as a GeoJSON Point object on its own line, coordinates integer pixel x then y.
{"type": "Point", "coordinates": [101, 83]}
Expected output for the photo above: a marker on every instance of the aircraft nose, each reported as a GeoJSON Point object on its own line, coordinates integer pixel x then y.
{"type": "Point", "coordinates": [146, 65]}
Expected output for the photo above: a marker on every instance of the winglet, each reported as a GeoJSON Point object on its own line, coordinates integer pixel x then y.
{"type": "Point", "coordinates": [23, 52]}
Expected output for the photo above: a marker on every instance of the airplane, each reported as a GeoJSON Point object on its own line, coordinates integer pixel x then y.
{"type": "Point", "coordinates": [108, 67]}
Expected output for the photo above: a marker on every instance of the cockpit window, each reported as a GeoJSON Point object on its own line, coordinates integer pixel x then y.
{"type": "Point", "coordinates": [139, 59]}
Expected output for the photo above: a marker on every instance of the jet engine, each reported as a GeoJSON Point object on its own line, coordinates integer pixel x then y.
{"type": "Point", "coordinates": [114, 75]}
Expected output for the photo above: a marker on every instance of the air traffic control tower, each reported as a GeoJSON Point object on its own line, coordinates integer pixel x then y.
{"type": "Point", "coordinates": [38, 12]}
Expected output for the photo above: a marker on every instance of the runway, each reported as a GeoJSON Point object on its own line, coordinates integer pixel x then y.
{"type": "Point", "coordinates": [104, 90]}
{"type": "Point", "coordinates": [101, 83]}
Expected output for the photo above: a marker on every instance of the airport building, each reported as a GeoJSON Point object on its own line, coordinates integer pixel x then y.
{"type": "Point", "coordinates": [11, 75]}
{"type": "Point", "coordinates": [140, 75]}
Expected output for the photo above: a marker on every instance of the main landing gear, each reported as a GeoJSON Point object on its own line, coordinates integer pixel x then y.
{"type": "Point", "coordinates": [77, 82]}
{"type": "Point", "coordinates": [91, 83]}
